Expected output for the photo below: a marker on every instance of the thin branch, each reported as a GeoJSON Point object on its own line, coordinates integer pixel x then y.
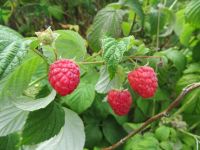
{"type": "Point", "coordinates": [92, 62]}
{"type": "Point", "coordinates": [164, 113]}
{"type": "Point", "coordinates": [143, 57]}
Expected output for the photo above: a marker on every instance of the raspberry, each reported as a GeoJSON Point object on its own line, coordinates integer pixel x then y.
{"type": "Point", "coordinates": [143, 81]}
{"type": "Point", "coordinates": [64, 76]}
{"type": "Point", "coordinates": [120, 101]}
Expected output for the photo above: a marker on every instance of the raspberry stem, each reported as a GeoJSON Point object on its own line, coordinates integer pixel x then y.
{"type": "Point", "coordinates": [92, 62]}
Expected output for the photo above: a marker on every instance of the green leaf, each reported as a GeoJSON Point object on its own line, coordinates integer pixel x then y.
{"type": "Point", "coordinates": [9, 142]}
{"type": "Point", "coordinates": [81, 98]}
{"type": "Point", "coordinates": [192, 12]}
{"type": "Point", "coordinates": [13, 49]}
{"type": "Point", "coordinates": [71, 136]}
{"type": "Point", "coordinates": [107, 22]}
{"type": "Point", "coordinates": [104, 83]}
{"type": "Point", "coordinates": [162, 133]}
{"type": "Point", "coordinates": [177, 58]}
{"type": "Point", "coordinates": [135, 6]}
{"type": "Point", "coordinates": [30, 104]}
{"type": "Point", "coordinates": [131, 126]}
{"type": "Point", "coordinates": [43, 124]}
{"type": "Point", "coordinates": [153, 20]}
{"type": "Point", "coordinates": [111, 130]}
{"type": "Point", "coordinates": [92, 126]}
{"type": "Point", "coordinates": [186, 34]}
{"type": "Point", "coordinates": [12, 119]}
{"type": "Point", "coordinates": [11, 35]}
{"type": "Point", "coordinates": [139, 142]}
{"type": "Point", "coordinates": [166, 145]}
{"type": "Point", "coordinates": [192, 68]}
{"type": "Point", "coordinates": [70, 44]}
{"type": "Point", "coordinates": [19, 79]}
{"type": "Point", "coordinates": [113, 52]}
{"type": "Point", "coordinates": [196, 52]}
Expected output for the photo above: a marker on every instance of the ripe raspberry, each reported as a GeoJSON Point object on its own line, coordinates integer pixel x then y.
{"type": "Point", "coordinates": [120, 101]}
{"type": "Point", "coordinates": [64, 76]}
{"type": "Point", "coordinates": [143, 81]}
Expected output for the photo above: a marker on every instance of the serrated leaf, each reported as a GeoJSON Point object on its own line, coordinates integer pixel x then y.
{"type": "Point", "coordinates": [70, 45]}
{"type": "Point", "coordinates": [19, 79]}
{"type": "Point", "coordinates": [9, 142]}
{"type": "Point", "coordinates": [104, 83]}
{"type": "Point", "coordinates": [113, 52]}
{"type": "Point", "coordinates": [43, 124]}
{"type": "Point", "coordinates": [192, 12]}
{"type": "Point", "coordinates": [13, 49]}
{"type": "Point", "coordinates": [107, 22]}
{"type": "Point", "coordinates": [81, 98]}
{"type": "Point", "coordinates": [30, 104]}
{"type": "Point", "coordinates": [71, 136]}
{"type": "Point", "coordinates": [12, 119]}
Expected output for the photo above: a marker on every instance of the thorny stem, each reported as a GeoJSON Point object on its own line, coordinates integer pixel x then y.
{"type": "Point", "coordinates": [97, 54]}
{"type": "Point", "coordinates": [164, 113]}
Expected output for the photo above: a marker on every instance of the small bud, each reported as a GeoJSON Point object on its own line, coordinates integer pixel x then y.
{"type": "Point", "coordinates": [47, 37]}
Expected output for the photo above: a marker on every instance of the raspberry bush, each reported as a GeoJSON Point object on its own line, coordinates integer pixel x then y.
{"type": "Point", "coordinates": [129, 81]}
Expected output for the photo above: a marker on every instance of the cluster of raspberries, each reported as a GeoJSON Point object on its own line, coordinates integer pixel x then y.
{"type": "Point", "coordinates": [64, 77]}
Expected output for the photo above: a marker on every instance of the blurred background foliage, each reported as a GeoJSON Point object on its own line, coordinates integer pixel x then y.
{"type": "Point", "coordinates": [28, 16]}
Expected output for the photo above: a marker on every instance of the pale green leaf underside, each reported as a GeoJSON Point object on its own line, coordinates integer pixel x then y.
{"type": "Point", "coordinates": [19, 79]}
{"type": "Point", "coordinates": [71, 136]}
{"type": "Point", "coordinates": [29, 104]}
{"type": "Point", "coordinates": [104, 83]}
{"type": "Point", "coordinates": [12, 119]}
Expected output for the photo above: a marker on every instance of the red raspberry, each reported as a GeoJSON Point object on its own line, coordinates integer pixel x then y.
{"type": "Point", "coordinates": [64, 76]}
{"type": "Point", "coordinates": [120, 101]}
{"type": "Point", "coordinates": [143, 81]}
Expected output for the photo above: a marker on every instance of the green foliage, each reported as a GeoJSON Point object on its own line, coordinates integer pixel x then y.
{"type": "Point", "coordinates": [70, 45]}
{"type": "Point", "coordinates": [47, 121]}
{"type": "Point", "coordinates": [107, 22]}
{"type": "Point", "coordinates": [13, 49]}
{"type": "Point", "coordinates": [192, 12]}
{"type": "Point", "coordinates": [82, 98]}
{"type": "Point", "coordinates": [121, 37]}
{"type": "Point", "coordinates": [9, 142]}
